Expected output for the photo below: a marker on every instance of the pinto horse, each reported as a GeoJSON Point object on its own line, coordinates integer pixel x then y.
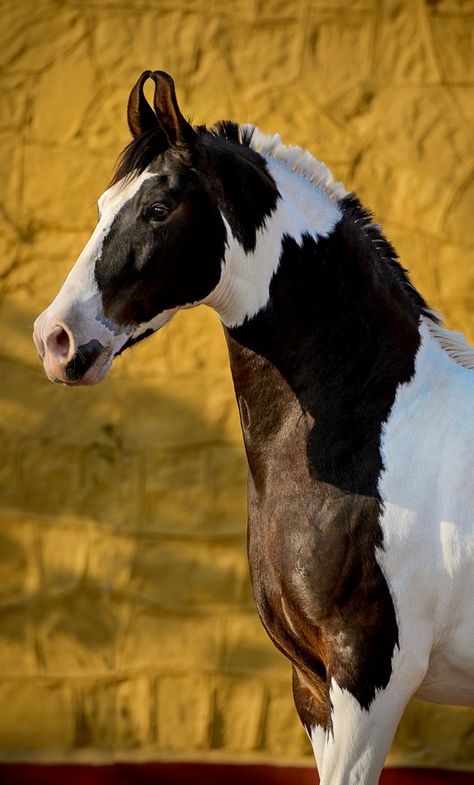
{"type": "Point", "coordinates": [356, 409]}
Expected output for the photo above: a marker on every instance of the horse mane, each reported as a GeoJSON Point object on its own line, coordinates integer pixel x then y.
{"type": "Point", "coordinates": [142, 151]}
{"type": "Point", "coordinates": [303, 163]}
{"type": "Point", "coordinates": [296, 159]}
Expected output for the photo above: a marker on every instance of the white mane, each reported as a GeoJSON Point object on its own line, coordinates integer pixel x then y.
{"type": "Point", "coordinates": [307, 166]}
{"type": "Point", "coordinates": [454, 344]}
{"type": "Point", "coordinates": [295, 158]}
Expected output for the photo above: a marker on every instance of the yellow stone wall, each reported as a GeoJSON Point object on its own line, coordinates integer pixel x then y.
{"type": "Point", "coordinates": [127, 627]}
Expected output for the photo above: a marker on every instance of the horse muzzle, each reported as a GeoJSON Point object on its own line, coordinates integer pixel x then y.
{"type": "Point", "coordinates": [65, 360]}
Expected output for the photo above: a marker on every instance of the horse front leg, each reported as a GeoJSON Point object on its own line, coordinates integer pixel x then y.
{"type": "Point", "coordinates": [358, 739]}
{"type": "Point", "coordinates": [311, 701]}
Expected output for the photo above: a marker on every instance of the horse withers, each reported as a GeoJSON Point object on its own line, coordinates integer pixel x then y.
{"type": "Point", "coordinates": [356, 409]}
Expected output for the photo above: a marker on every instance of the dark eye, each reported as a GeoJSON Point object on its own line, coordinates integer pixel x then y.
{"type": "Point", "coordinates": [157, 212]}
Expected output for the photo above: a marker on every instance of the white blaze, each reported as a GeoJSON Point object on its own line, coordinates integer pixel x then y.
{"type": "Point", "coordinates": [79, 303]}
{"type": "Point", "coordinates": [303, 208]}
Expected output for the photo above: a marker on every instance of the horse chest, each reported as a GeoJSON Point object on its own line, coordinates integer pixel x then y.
{"type": "Point", "coordinates": [318, 587]}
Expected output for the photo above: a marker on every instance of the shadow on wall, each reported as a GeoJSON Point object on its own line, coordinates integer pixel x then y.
{"type": "Point", "coordinates": [122, 551]}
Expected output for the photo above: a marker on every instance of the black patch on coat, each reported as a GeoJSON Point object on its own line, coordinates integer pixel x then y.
{"type": "Point", "coordinates": [145, 267]}
{"type": "Point", "coordinates": [337, 337]}
{"type": "Point", "coordinates": [246, 191]}
{"type": "Point", "coordinates": [85, 357]}
{"type": "Point", "coordinates": [132, 341]}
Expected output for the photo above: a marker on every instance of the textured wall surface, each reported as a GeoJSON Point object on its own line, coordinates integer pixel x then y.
{"type": "Point", "coordinates": [127, 627]}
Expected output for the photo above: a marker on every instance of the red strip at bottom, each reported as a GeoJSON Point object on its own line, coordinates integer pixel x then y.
{"type": "Point", "coordinates": [202, 774]}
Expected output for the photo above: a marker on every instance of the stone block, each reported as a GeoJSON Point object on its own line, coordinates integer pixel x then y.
{"type": "Point", "coordinates": [64, 551]}
{"type": "Point", "coordinates": [221, 412]}
{"type": "Point", "coordinates": [416, 123]}
{"type": "Point", "coordinates": [190, 349]}
{"type": "Point", "coordinates": [176, 493]}
{"type": "Point", "coordinates": [96, 714]}
{"type": "Point", "coordinates": [19, 569]}
{"type": "Point", "coordinates": [425, 735]}
{"type": "Point", "coordinates": [421, 124]}
{"type": "Point", "coordinates": [28, 25]}
{"type": "Point", "coordinates": [18, 652]}
{"type": "Point", "coordinates": [194, 343]}
{"type": "Point", "coordinates": [172, 643]}
{"type": "Point", "coordinates": [250, 650]}
{"type": "Point", "coordinates": [10, 251]}
{"type": "Point", "coordinates": [80, 633]}
{"type": "Point", "coordinates": [455, 272]}
{"type": "Point", "coordinates": [62, 95]}
{"type": "Point", "coordinates": [399, 191]}
{"type": "Point", "coordinates": [134, 713]}
{"type": "Point", "coordinates": [228, 477]}
{"type": "Point", "coordinates": [169, 34]}
{"type": "Point", "coordinates": [345, 32]}
{"type": "Point", "coordinates": [110, 562]}
{"type": "Point", "coordinates": [35, 716]}
{"type": "Point", "coordinates": [206, 104]}
{"type": "Point", "coordinates": [181, 575]}
{"type": "Point", "coordinates": [17, 327]}
{"type": "Point", "coordinates": [114, 715]}
{"type": "Point", "coordinates": [453, 7]}
{"type": "Point", "coordinates": [66, 198]}
{"type": "Point", "coordinates": [453, 39]}
{"type": "Point", "coordinates": [27, 403]}
{"type": "Point", "coordinates": [413, 62]}
{"type": "Point", "coordinates": [279, 39]}
{"type": "Point", "coordinates": [464, 96]}
{"type": "Point", "coordinates": [39, 412]}
{"type": "Point", "coordinates": [11, 153]}
{"type": "Point", "coordinates": [238, 710]}
{"type": "Point", "coordinates": [283, 732]}
{"type": "Point", "coordinates": [9, 471]}
{"type": "Point", "coordinates": [111, 485]}
{"type": "Point", "coordinates": [46, 259]}
{"type": "Point", "coordinates": [183, 712]}
{"type": "Point", "coordinates": [276, 9]}
{"type": "Point", "coordinates": [171, 412]}
{"type": "Point", "coordinates": [50, 478]}
{"type": "Point", "coordinates": [13, 102]}
{"type": "Point", "coordinates": [273, 110]}
{"type": "Point", "coordinates": [103, 126]}
{"type": "Point", "coordinates": [456, 216]}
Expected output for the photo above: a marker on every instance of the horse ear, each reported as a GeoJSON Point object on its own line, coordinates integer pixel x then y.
{"type": "Point", "coordinates": [175, 126]}
{"type": "Point", "coordinates": [140, 115]}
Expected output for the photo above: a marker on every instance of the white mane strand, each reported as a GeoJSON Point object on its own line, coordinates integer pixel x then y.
{"type": "Point", "coordinates": [454, 344]}
{"type": "Point", "coordinates": [295, 158]}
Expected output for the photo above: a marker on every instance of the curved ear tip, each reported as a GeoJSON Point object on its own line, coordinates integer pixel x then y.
{"type": "Point", "coordinates": [163, 75]}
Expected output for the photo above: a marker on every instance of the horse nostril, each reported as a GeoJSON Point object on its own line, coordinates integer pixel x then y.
{"type": "Point", "coordinates": [58, 342]}
{"type": "Point", "coordinates": [85, 356]}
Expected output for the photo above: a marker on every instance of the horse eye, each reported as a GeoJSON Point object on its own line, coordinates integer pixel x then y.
{"type": "Point", "coordinates": [157, 212]}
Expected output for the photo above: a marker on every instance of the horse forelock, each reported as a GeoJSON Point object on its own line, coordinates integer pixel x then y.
{"type": "Point", "coordinates": [140, 154]}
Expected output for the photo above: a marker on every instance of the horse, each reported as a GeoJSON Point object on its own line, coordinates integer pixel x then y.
{"type": "Point", "coordinates": [355, 406]}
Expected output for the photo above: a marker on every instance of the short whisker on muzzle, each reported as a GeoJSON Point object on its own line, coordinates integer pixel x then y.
{"type": "Point", "coordinates": [85, 357]}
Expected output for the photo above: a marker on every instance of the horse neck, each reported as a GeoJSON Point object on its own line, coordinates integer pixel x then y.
{"type": "Point", "coordinates": [339, 332]}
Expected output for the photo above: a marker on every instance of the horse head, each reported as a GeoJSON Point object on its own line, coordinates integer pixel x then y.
{"type": "Point", "coordinates": [159, 243]}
